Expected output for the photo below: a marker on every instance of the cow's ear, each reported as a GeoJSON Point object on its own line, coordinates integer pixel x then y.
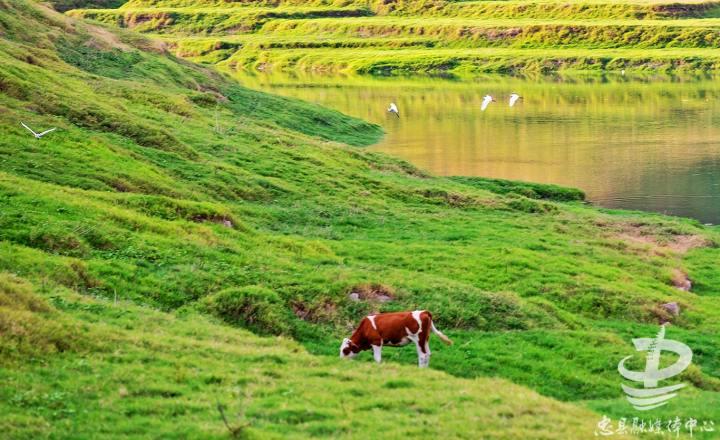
{"type": "Point", "coordinates": [354, 347]}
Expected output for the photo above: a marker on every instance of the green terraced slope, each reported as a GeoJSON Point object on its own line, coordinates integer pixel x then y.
{"type": "Point", "coordinates": [424, 36]}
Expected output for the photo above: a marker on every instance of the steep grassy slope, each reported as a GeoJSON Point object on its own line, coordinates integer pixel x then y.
{"type": "Point", "coordinates": [417, 35]}
{"type": "Point", "coordinates": [185, 193]}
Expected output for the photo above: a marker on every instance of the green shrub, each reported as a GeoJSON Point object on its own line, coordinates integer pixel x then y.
{"type": "Point", "coordinates": [253, 307]}
{"type": "Point", "coordinates": [530, 190]}
{"type": "Point", "coordinates": [206, 100]}
{"type": "Point", "coordinates": [520, 203]}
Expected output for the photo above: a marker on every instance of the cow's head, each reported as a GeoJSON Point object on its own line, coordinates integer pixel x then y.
{"type": "Point", "coordinates": [349, 349]}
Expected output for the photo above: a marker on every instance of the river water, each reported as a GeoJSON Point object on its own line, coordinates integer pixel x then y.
{"type": "Point", "coordinates": [637, 142]}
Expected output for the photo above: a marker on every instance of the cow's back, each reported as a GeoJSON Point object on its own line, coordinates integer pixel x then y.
{"type": "Point", "coordinates": [396, 326]}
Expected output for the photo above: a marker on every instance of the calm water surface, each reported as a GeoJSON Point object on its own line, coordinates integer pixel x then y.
{"type": "Point", "coordinates": [649, 143]}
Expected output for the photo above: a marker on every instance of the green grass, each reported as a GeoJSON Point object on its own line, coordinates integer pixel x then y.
{"type": "Point", "coordinates": [473, 61]}
{"type": "Point", "coordinates": [424, 36]}
{"type": "Point", "coordinates": [218, 208]}
{"type": "Point", "coordinates": [118, 372]}
{"type": "Point", "coordinates": [526, 189]}
{"type": "Point", "coordinates": [66, 5]}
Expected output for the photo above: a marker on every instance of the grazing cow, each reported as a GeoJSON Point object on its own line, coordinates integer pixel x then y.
{"type": "Point", "coordinates": [393, 330]}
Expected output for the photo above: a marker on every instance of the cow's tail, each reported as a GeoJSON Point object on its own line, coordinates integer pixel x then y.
{"type": "Point", "coordinates": [440, 335]}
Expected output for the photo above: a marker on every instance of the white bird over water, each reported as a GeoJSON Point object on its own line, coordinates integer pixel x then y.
{"type": "Point", "coordinates": [393, 108]}
{"type": "Point", "coordinates": [37, 136]}
{"type": "Point", "coordinates": [514, 97]}
{"type": "Point", "coordinates": [486, 100]}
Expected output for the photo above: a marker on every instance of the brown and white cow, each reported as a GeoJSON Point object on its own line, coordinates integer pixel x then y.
{"type": "Point", "coordinates": [393, 330]}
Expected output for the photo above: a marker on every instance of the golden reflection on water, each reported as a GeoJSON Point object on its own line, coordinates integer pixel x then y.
{"type": "Point", "coordinates": [649, 143]}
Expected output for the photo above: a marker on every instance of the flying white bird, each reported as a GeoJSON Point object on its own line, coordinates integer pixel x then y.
{"type": "Point", "coordinates": [622, 72]}
{"type": "Point", "coordinates": [37, 136]}
{"type": "Point", "coordinates": [514, 97]}
{"type": "Point", "coordinates": [393, 108]}
{"type": "Point", "coordinates": [486, 101]}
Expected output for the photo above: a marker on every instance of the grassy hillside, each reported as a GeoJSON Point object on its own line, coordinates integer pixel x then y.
{"type": "Point", "coordinates": [97, 369]}
{"type": "Point", "coordinates": [215, 207]}
{"type": "Point", "coordinates": [427, 36]}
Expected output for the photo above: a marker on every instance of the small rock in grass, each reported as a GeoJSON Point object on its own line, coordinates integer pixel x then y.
{"type": "Point", "coordinates": [684, 285]}
{"type": "Point", "coordinates": [672, 308]}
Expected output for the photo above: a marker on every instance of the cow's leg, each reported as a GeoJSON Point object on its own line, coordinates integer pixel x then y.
{"type": "Point", "coordinates": [421, 337]}
{"type": "Point", "coordinates": [424, 353]}
{"type": "Point", "coordinates": [377, 353]}
{"type": "Point", "coordinates": [421, 355]}
{"type": "Point", "coordinates": [416, 340]}
{"type": "Point", "coordinates": [423, 346]}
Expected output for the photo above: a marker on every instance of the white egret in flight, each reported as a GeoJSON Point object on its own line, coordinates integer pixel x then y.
{"type": "Point", "coordinates": [486, 101]}
{"type": "Point", "coordinates": [37, 136]}
{"type": "Point", "coordinates": [393, 108]}
{"type": "Point", "coordinates": [514, 97]}
{"type": "Point", "coordinates": [622, 72]}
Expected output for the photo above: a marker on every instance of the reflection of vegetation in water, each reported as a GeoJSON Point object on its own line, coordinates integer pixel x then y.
{"type": "Point", "coordinates": [634, 142]}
